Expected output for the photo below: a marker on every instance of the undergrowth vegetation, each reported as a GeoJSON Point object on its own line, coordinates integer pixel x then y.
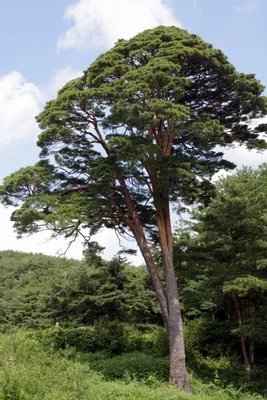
{"type": "Point", "coordinates": [114, 356]}
{"type": "Point", "coordinates": [30, 370]}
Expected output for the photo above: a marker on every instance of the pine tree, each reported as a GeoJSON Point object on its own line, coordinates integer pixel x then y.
{"type": "Point", "coordinates": [134, 134]}
{"type": "Point", "coordinates": [112, 289]}
{"type": "Point", "coordinates": [226, 253]}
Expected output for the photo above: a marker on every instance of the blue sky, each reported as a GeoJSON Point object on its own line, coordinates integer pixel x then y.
{"type": "Point", "coordinates": [31, 30]}
{"type": "Point", "coordinates": [45, 44]}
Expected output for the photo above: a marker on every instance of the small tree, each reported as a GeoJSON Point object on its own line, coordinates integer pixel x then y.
{"type": "Point", "coordinates": [134, 134]}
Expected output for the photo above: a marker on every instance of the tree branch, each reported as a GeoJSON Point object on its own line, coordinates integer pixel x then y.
{"type": "Point", "coordinates": [75, 189]}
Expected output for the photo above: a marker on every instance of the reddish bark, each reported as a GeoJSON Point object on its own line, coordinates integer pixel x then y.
{"type": "Point", "coordinates": [139, 234]}
{"type": "Point", "coordinates": [169, 301]}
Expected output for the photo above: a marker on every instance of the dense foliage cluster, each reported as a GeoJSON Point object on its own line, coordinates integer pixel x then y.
{"type": "Point", "coordinates": [38, 291]}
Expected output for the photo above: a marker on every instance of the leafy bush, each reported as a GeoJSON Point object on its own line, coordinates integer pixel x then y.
{"type": "Point", "coordinates": [110, 336]}
{"type": "Point", "coordinates": [113, 337]}
{"type": "Point", "coordinates": [83, 339]}
{"type": "Point", "coordinates": [147, 338]}
{"type": "Point", "coordinates": [136, 366]}
{"type": "Point", "coordinates": [11, 390]}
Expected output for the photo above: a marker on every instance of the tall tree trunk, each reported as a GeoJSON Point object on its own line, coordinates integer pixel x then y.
{"type": "Point", "coordinates": [173, 322]}
{"type": "Point", "coordinates": [169, 300]}
{"type": "Point", "coordinates": [153, 272]}
{"type": "Point", "coordinates": [178, 373]}
{"type": "Point", "coordinates": [171, 311]}
{"type": "Point", "coordinates": [243, 339]}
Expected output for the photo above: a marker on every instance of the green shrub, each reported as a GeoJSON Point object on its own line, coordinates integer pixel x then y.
{"type": "Point", "coordinates": [150, 339]}
{"type": "Point", "coordinates": [83, 339]}
{"type": "Point", "coordinates": [110, 336]}
{"type": "Point", "coordinates": [137, 366]}
{"type": "Point", "coordinates": [113, 337]}
{"type": "Point", "coordinates": [11, 390]}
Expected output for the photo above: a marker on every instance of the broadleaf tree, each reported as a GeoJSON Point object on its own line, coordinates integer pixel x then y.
{"type": "Point", "coordinates": [135, 134]}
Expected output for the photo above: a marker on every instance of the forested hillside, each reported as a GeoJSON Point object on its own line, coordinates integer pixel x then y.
{"type": "Point", "coordinates": [38, 291]}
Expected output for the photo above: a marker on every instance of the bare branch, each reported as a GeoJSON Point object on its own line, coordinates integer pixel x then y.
{"type": "Point", "coordinates": [122, 215]}
{"type": "Point", "coordinates": [69, 245]}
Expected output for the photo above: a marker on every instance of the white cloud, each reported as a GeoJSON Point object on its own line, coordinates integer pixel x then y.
{"type": "Point", "coordinates": [21, 101]}
{"type": "Point", "coordinates": [240, 155]}
{"type": "Point", "coordinates": [61, 77]}
{"type": "Point", "coordinates": [100, 23]}
{"type": "Point", "coordinates": [247, 7]}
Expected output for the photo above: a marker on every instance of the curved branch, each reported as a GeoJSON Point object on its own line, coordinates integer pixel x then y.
{"type": "Point", "coordinates": [75, 189]}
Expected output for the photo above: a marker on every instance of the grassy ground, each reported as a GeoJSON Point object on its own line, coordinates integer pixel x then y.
{"type": "Point", "coordinates": [28, 371]}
